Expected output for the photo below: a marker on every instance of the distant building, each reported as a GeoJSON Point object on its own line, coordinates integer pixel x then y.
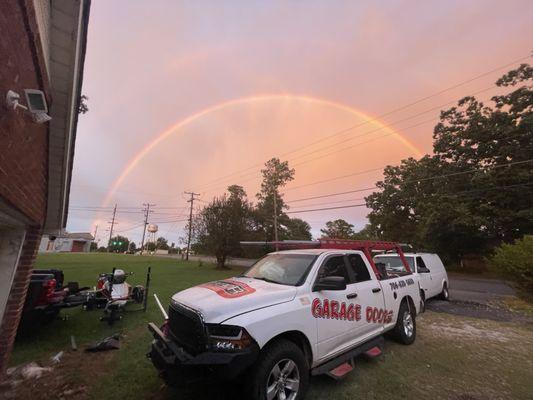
{"type": "Point", "coordinates": [42, 53]}
{"type": "Point", "coordinates": [66, 243]}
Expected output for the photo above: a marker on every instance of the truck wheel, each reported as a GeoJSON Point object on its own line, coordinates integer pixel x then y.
{"type": "Point", "coordinates": [281, 373]}
{"type": "Point", "coordinates": [405, 329]}
{"type": "Point", "coordinates": [445, 294]}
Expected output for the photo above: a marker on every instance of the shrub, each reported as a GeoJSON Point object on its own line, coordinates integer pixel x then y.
{"type": "Point", "coordinates": [516, 261]}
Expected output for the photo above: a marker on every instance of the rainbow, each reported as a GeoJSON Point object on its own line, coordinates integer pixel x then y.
{"type": "Point", "coordinates": [134, 161]}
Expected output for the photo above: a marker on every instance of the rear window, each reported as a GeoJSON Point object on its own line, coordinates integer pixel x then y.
{"type": "Point", "coordinates": [394, 264]}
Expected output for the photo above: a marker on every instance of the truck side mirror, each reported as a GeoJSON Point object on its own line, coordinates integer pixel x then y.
{"type": "Point", "coordinates": [330, 283]}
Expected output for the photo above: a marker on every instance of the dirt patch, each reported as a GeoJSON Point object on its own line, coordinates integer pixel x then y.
{"type": "Point", "coordinates": [467, 331]}
{"type": "Point", "coordinates": [70, 378]}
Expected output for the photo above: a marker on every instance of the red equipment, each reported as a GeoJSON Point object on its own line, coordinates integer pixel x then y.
{"type": "Point", "coordinates": [366, 246]}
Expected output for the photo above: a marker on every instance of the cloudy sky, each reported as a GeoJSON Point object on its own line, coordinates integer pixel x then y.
{"type": "Point", "coordinates": [196, 95]}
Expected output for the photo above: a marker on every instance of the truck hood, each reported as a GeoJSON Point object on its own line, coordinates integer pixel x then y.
{"type": "Point", "coordinates": [220, 300]}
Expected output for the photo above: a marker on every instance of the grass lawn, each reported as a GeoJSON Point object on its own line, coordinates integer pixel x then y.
{"type": "Point", "coordinates": [453, 357]}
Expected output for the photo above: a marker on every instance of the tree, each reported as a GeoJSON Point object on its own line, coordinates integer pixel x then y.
{"type": "Point", "coordinates": [296, 229]}
{"type": "Point", "coordinates": [222, 224]}
{"type": "Point", "coordinates": [132, 247]}
{"type": "Point", "coordinates": [119, 244]}
{"type": "Point", "coordinates": [82, 107]}
{"type": "Point", "coordinates": [276, 174]}
{"type": "Point", "coordinates": [338, 229]}
{"type": "Point", "coordinates": [475, 191]}
{"type": "Point", "coordinates": [367, 233]}
{"type": "Point", "coordinates": [515, 262]}
{"type": "Point", "coordinates": [161, 243]}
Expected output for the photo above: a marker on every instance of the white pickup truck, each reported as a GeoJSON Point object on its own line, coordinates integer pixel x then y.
{"type": "Point", "coordinates": [293, 314]}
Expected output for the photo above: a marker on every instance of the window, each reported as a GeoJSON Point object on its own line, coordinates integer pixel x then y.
{"type": "Point", "coordinates": [393, 264]}
{"type": "Point", "coordinates": [358, 268]}
{"type": "Point", "coordinates": [333, 266]}
{"type": "Point", "coordinates": [421, 264]}
{"type": "Point", "coordinates": [286, 269]}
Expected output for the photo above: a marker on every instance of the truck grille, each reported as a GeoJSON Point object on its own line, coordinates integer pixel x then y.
{"type": "Point", "coordinates": [187, 327]}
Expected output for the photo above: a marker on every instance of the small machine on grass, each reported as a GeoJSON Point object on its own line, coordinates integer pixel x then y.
{"type": "Point", "coordinates": [113, 293]}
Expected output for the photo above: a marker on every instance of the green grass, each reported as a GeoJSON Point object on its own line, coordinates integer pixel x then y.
{"type": "Point", "coordinates": [453, 357]}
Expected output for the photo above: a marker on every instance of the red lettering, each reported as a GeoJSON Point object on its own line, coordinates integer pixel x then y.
{"type": "Point", "coordinates": [342, 312]}
{"type": "Point", "coordinates": [358, 312]}
{"type": "Point", "coordinates": [369, 314]}
{"type": "Point", "coordinates": [334, 309]}
{"type": "Point", "coordinates": [381, 314]}
{"type": "Point", "coordinates": [316, 309]}
{"type": "Point", "coordinates": [325, 310]}
{"type": "Point", "coordinates": [350, 313]}
{"type": "Point", "coordinates": [374, 314]}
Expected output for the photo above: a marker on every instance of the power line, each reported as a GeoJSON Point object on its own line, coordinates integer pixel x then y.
{"type": "Point", "coordinates": [436, 194]}
{"type": "Point", "coordinates": [415, 180]}
{"type": "Point", "coordinates": [345, 130]}
{"type": "Point", "coordinates": [344, 148]}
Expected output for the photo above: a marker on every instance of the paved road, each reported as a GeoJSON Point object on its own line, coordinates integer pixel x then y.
{"type": "Point", "coordinates": [478, 290]}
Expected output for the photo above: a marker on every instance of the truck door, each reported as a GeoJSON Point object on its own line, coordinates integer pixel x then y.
{"type": "Point", "coordinates": [326, 305]}
{"type": "Point", "coordinates": [369, 297]}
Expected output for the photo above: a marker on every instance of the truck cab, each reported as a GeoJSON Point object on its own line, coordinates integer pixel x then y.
{"type": "Point", "coordinates": [293, 314]}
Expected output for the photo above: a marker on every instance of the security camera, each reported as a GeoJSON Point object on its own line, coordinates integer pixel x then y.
{"type": "Point", "coordinates": [12, 100]}
{"type": "Point", "coordinates": [36, 102]}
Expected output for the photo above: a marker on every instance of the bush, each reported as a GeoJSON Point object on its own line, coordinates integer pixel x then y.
{"type": "Point", "coordinates": [516, 261]}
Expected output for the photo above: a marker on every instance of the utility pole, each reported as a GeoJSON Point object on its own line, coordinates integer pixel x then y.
{"type": "Point", "coordinates": [191, 200]}
{"type": "Point", "coordinates": [146, 211]}
{"type": "Point", "coordinates": [94, 236]}
{"type": "Point", "coordinates": [112, 222]}
{"type": "Point", "coordinates": [276, 220]}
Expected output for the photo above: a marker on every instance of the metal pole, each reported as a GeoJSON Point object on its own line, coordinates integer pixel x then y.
{"type": "Point", "coordinates": [190, 223]}
{"type": "Point", "coordinates": [111, 229]}
{"type": "Point", "coordinates": [276, 221]}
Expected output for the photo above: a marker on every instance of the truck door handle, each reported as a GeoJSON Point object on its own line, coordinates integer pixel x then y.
{"type": "Point", "coordinates": [376, 290]}
{"type": "Point", "coordinates": [351, 296]}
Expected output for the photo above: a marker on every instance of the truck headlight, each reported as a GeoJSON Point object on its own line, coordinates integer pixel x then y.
{"type": "Point", "coordinates": [228, 337]}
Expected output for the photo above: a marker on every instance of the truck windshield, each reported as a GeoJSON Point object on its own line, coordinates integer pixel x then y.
{"type": "Point", "coordinates": [285, 269]}
{"type": "Point", "coordinates": [395, 264]}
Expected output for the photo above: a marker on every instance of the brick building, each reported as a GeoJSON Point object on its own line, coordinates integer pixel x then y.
{"type": "Point", "coordinates": [42, 47]}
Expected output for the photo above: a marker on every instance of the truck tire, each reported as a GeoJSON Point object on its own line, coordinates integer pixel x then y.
{"type": "Point", "coordinates": [405, 330]}
{"type": "Point", "coordinates": [445, 294]}
{"type": "Point", "coordinates": [280, 369]}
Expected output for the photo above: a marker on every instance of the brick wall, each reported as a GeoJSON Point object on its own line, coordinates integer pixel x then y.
{"type": "Point", "coordinates": [17, 295]}
{"type": "Point", "coordinates": [23, 144]}
{"type": "Point", "coordinates": [23, 149]}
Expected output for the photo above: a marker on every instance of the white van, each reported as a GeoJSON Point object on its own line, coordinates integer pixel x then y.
{"type": "Point", "coordinates": [428, 266]}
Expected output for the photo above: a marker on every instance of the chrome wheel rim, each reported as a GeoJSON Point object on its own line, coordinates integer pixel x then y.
{"type": "Point", "coordinates": [283, 381]}
{"type": "Point", "coordinates": [445, 292]}
{"type": "Point", "coordinates": [408, 325]}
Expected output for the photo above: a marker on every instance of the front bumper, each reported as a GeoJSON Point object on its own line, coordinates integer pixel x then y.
{"type": "Point", "coordinates": [177, 367]}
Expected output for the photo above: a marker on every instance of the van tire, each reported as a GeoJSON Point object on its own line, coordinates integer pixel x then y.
{"type": "Point", "coordinates": [272, 355]}
{"type": "Point", "coordinates": [404, 331]}
{"type": "Point", "coordinates": [445, 294]}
